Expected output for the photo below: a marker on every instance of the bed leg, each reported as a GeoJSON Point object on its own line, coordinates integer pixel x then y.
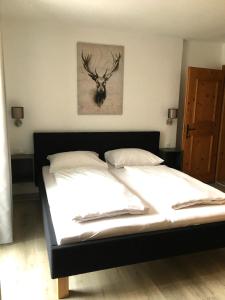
{"type": "Point", "coordinates": [63, 287]}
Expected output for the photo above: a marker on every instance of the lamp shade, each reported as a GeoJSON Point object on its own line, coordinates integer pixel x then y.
{"type": "Point", "coordinates": [17, 112]}
{"type": "Point", "coordinates": [172, 113]}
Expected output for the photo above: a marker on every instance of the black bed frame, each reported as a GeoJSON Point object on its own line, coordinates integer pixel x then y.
{"type": "Point", "coordinates": [88, 256]}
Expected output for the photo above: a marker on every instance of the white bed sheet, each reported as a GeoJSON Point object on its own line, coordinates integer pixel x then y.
{"type": "Point", "coordinates": [141, 186]}
{"type": "Point", "coordinates": [68, 231]}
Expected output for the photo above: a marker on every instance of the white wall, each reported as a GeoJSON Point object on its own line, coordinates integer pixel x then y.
{"type": "Point", "coordinates": [201, 54]}
{"type": "Point", "coordinates": [223, 54]}
{"type": "Point", "coordinates": [40, 69]}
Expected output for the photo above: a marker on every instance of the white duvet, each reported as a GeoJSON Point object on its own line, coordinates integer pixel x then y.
{"type": "Point", "coordinates": [93, 193]}
{"type": "Point", "coordinates": [67, 230]}
{"type": "Point", "coordinates": [167, 188]}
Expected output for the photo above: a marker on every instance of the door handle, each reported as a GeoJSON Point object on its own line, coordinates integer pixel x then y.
{"type": "Point", "coordinates": [189, 129]}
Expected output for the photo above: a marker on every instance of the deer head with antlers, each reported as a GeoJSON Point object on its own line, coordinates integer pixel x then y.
{"type": "Point", "coordinates": [100, 94]}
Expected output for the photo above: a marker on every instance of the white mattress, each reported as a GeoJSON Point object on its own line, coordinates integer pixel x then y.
{"type": "Point", "coordinates": [68, 231]}
{"type": "Point", "coordinates": [141, 186]}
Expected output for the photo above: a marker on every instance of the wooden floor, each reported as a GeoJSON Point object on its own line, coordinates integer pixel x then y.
{"type": "Point", "coordinates": [25, 275]}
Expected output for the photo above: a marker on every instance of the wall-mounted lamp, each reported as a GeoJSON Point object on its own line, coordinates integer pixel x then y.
{"type": "Point", "coordinates": [17, 113]}
{"type": "Point", "coordinates": [172, 114]}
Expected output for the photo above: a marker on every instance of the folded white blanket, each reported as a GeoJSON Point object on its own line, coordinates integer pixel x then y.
{"type": "Point", "coordinates": [167, 188]}
{"type": "Point", "coordinates": [93, 193]}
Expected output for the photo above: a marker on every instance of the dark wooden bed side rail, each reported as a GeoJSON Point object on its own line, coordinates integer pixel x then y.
{"type": "Point", "coordinates": [110, 253]}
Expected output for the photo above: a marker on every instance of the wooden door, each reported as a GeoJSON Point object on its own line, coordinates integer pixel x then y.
{"type": "Point", "coordinates": [220, 176]}
{"type": "Point", "coordinates": [203, 103]}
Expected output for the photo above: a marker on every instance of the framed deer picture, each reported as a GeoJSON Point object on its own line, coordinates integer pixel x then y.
{"type": "Point", "coordinates": [100, 78]}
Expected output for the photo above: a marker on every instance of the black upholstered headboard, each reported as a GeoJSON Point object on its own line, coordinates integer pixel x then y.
{"type": "Point", "coordinates": [46, 143]}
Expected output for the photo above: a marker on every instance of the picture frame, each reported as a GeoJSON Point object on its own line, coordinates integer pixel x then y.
{"type": "Point", "coordinates": [100, 78]}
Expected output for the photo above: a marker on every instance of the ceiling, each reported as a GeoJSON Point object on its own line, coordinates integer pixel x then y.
{"type": "Point", "coordinates": [189, 19]}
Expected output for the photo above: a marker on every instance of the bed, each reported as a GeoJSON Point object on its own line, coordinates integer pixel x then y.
{"type": "Point", "coordinates": [93, 255]}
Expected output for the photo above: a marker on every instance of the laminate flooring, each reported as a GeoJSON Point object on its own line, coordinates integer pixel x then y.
{"type": "Point", "coordinates": [24, 271]}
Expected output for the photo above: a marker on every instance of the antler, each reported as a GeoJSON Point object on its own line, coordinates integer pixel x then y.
{"type": "Point", "coordinates": [115, 66]}
{"type": "Point", "coordinates": [86, 60]}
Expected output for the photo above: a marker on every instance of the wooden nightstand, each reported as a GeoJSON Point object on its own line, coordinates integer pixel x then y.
{"type": "Point", "coordinates": [23, 177]}
{"type": "Point", "coordinates": [171, 156]}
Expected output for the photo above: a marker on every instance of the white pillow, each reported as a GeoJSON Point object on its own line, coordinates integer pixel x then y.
{"type": "Point", "coordinates": [74, 159]}
{"type": "Point", "coordinates": [131, 157]}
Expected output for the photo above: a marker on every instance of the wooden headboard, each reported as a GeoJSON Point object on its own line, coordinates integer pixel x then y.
{"type": "Point", "coordinates": [46, 143]}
